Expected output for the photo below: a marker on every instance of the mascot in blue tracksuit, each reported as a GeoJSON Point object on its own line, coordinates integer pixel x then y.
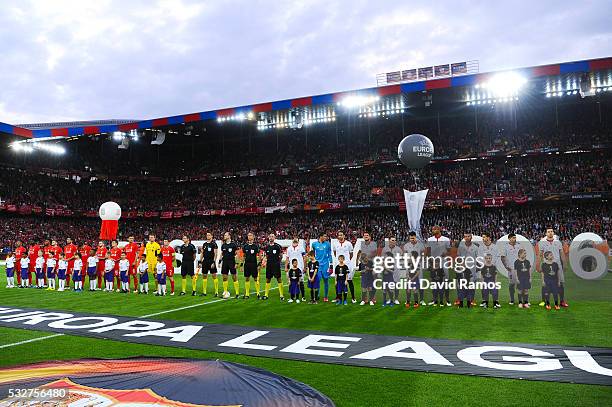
{"type": "Point", "coordinates": [323, 254]}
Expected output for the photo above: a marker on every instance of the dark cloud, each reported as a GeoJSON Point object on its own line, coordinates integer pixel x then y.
{"type": "Point", "coordinates": [139, 59]}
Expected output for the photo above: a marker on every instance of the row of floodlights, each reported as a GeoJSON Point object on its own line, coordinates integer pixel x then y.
{"type": "Point", "coordinates": [491, 101]}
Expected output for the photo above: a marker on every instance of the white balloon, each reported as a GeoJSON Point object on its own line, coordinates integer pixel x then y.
{"type": "Point", "coordinates": [110, 211]}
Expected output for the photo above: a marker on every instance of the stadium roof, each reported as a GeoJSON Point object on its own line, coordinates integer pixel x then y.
{"type": "Point", "coordinates": [76, 129]}
{"type": "Point", "coordinates": [86, 123]}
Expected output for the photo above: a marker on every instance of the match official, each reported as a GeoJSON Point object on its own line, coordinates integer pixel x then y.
{"type": "Point", "coordinates": [273, 252]}
{"type": "Point", "coordinates": [188, 250]}
{"type": "Point", "coordinates": [251, 264]}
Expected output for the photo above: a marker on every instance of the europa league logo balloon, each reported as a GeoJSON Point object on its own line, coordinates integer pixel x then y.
{"type": "Point", "coordinates": [415, 151]}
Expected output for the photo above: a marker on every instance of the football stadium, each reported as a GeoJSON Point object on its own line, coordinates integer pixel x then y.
{"type": "Point", "coordinates": [441, 238]}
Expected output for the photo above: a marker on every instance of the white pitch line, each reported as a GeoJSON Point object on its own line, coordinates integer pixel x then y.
{"type": "Point", "coordinates": [30, 340]}
{"type": "Point", "coordinates": [181, 308]}
{"type": "Point", "coordinates": [144, 316]}
{"type": "Point", "coordinates": [193, 306]}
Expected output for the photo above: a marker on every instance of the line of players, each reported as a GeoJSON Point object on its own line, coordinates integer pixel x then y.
{"type": "Point", "coordinates": [549, 263]}
{"type": "Point", "coordinates": [50, 261]}
{"type": "Point", "coordinates": [103, 266]}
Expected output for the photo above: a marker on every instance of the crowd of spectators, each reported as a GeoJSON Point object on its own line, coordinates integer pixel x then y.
{"type": "Point", "coordinates": [458, 138]}
{"type": "Point", "coordinates": [529, 220]}
{"type": "Point", "coordinates": [235, 147]}
{"type": "Point", "coordinates": [519, 176]}
{"type": "Point", "coordinates": [226, 149]}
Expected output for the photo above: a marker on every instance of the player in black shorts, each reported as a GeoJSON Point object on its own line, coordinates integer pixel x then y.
{"type": "Point", "coordinates": [229, 250]}
{"type": "Point", "coordinates": [251, 264]}
{"type": "Point", "coordinates": [208, 264]}
{"type": "Point", "coordinates": [274, 253]}
{"type": "Point", "coordinates": [188, 251]}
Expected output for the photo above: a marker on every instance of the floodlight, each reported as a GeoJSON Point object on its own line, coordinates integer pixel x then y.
{"type": "Point", "coordinates": [356, 101]}
{"type": "Point", "coordinates": [506, 84]}
{"type": "Point", "coordinates": [117, 136]}
{"type": "Point", "coordinates": [51, 148]}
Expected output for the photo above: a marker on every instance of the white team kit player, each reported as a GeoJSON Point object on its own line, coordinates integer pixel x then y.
{"type": "Point", "coordinates": [24, 263]}
{"type": "Point", "coordinates": [109, 266]}
{"type": "Point", "coordinates": [77, 275]}
{"type": "Point", "coordinates": [62, 269]}
{"type": "Point", "coordinates": [345, 248]}
{"type": "Point", "coordinates": [92, 264]}
{"type": "Point", "coordinates": [124, 267]}
{"type": "Point", "coordinates": [438, 247]}
{"type": "Point", "coordinates": [143, 276]}
{"type": "Point", "coordinates": [509, 255]}
{"type": "Point", "coordinates": [10, 270]}
{"type": "Point", "coordinates": [160, 271]}
{"type": "Point", "coordinates": [297, 252]}
{"type": "Point", "coordinates": [40, 276]}
{"type": "Point", "coordinates": [487, 247]}
{"type": "Point", "coordinates": [415, 246]}
{"type": "Point", "coordinates": [397, 273]}
{"type": "Point", "coordinates": [550, 243]}
{"type": "Point", "coordinates": [468, 251]}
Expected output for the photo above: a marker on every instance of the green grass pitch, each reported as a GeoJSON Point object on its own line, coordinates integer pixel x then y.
{"type": "Point", "coordinates": [586, 322]}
